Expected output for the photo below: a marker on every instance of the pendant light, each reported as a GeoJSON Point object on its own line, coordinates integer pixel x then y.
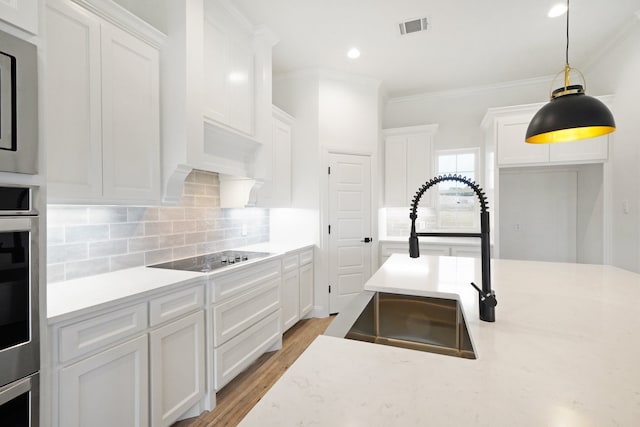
{"type": "Point", "coordinates": [570, 115]}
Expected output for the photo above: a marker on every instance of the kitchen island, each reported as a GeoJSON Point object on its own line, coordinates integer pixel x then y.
{"type": "Point", "coordinates": [563, 351]}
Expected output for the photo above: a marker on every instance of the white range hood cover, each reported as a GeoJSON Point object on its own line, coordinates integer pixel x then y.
{"type": "Point", "coordinates": [238, 192]}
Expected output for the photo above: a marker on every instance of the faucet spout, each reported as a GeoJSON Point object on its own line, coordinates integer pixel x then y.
{"type": "Point", "coordinates": [487, 297]}
{"type": "Point", "coordinates": [414, 246]}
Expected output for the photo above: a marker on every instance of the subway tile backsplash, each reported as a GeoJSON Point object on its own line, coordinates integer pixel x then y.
{"type": "Point", "coordinates": [87, 240]}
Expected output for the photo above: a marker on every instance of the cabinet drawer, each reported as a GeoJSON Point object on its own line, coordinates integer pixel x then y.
{"type": "Point", "coordinates": [289, 263]}
{"type": "Point", "coordinates": [306, 257]}
{"type": "Point", "coordinates": [91, 334]}
{"type": "Point", "coordinates": [174, 305]}
{"type": "Point", "coordinates": [234, 356]}
{"type": "Point", "coordinates": [234, 316]}
{"type": "Point", "coordinates": [239, 281]}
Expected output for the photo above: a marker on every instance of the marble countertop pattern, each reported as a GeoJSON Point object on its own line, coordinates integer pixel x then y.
{"type": "Point", "coordinates": [563, 351]}
{"type": "Point", "coordinates": [75, 297]}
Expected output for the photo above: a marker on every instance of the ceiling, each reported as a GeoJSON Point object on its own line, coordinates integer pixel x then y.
{"type": "Point", "coordinates": [470, 42]}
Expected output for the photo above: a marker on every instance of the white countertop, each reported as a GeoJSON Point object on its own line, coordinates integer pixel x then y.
{"type": "Point", "coordinates": [563, 351]}
{"type": "Point", "coordinates": [75, 297]}
{"type": "Point", "coordinates": [449, 241]}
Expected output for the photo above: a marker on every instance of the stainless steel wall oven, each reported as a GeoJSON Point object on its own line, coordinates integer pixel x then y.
{"type": "Point", "coordinates": [18, 105]}
{"type": "Point", "coordinates": [19, 305]}
{"type": "Point", "coordinates": [19, 402]}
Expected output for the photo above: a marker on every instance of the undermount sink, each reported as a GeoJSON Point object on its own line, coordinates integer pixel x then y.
{"type": "Point", "coordinates": [434, 325]}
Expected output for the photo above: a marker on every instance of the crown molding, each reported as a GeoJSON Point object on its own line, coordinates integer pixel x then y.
{"type": "Point", "coordinates": [456, 93]}
{"type": "Point", "coordinates": [409, 130]}
{"type": "Point", "coordinates": [122, 18]}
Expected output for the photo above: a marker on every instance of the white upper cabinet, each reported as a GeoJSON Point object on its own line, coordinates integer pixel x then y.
{"type": "Point", "coordinates": [130, 117]}
{"type": "Point", "coordinates": [408, 162]}
{"type": "Point", "coordinates": [511, 146]}
{"type": "Point", "coordinates": [20, 13]}
{"type": "Point", "coordinates": [228, 70]}
{"type": "Point", "coordinates": [73, 102]}
{"type": "Point", "coordinates": [506, 129]}
{"type": "Point", "coordinates": [102, 110]}
{"type": "Point", "coordinates": [281, 161]}
{"type": "Point", "coordinates": [216, 94]}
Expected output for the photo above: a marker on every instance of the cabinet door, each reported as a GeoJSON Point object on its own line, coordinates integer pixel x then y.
{"type": "Point", "coordinates": [177, 368]}
{"type": "Point", "coordinates": [130, 117]}
{"type": "Point", "coordinates": [419, 168]}
{"type": "Point", "coordinates": [468, 251]}
{"type": "Point", "coordinates": [512, 149]}
{"type": "Point", "coordinates": [594, 149]}
{"type": "Point", "coordinates": [290, 299]}
{"type": "Point", "coordinates": [281, 183]}
{"type": "Point", "coordinates": [215, 64]}
{"type": "Point", "coordinates": [240, 86]}
{"type": "Point", "coordinates": [229, 70]}
{"type": "Point", "coordinates": [395, 171]}
{"type": "Point", "coordinates": [430, 249]}
{"type": "Point", "coordinates": [73, 103]}
{"type": "Point", "coordinates": [306, 289]}
{"type": "Point", "coordinates": [108, 389]}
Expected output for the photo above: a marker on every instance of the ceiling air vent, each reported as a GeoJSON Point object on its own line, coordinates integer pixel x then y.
{"type": "Point", "coordinates": [414, 26]}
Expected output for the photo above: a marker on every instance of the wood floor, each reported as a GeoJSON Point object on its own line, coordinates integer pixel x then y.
{"type": "Point", "coordinates": [237, 398]}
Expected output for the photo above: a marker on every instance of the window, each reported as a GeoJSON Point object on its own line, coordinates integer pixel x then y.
{"type": "Point", "coordinates": [457, 204]}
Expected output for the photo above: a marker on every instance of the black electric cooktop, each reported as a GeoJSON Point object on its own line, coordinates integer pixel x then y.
{"type": "Point", "coordinates": [213, 261]}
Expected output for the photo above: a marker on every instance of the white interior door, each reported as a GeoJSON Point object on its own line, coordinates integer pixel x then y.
{"type": "Point", "coordinates": [350, 224]}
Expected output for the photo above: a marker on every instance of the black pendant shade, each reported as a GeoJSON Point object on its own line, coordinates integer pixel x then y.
{"type": "Point", "coordinates": [570, 116]}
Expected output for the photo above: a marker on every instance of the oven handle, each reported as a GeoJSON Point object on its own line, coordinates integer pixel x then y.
{"type": "Point", "coordinates": [16, 224]}
{"type": "Point", "coordinates": [13, 390]}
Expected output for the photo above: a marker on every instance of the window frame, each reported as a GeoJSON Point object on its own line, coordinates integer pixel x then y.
{"type": "Point", "coordinates": [476, 172]}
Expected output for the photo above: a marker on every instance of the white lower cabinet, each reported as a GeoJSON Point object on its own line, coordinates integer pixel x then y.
{"type": "Point", "coordinates": [107, 389]}
{"type": "Point", "coordinates": [468, 251]}
{"type": "Point", "coordinates": [297, 287]}
{"type": "Point", "coordinates": [245, 320]}
{"type": "Point", "coordinates": [306, 289]}
{"type": "Point", "coordinates": [290, 291]}
{"type": "Point", "coordinates": [290, 299]}
{"type": "Point", "coordinates": [235, 315]}
{"type": "Point", "coordinates": [177, 368]}
{"type": "Point", "coordinates": [443, 249]}
{"type": "Point", "coordinates": [140, 365]}
{"type": "Point", "coordinates": [237, 354]}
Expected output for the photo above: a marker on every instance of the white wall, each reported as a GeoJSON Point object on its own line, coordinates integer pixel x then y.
{"type": "Point", "coordinates": [538, 219]}
{"type": "Point", "coordinates": [559, 210]}
{"type": "Point", "coordinates": [298, 95]}
{"type": "Point", "coordinates": [459, 113]}
{"type": "Point", "coordinates": [617, 72]}
{"type": "Point", "coordinates": [333, 112]}
{"type": "Point", "coordinates": [348, 113]}
{"type": "Point", "coordinates": [590, 225]}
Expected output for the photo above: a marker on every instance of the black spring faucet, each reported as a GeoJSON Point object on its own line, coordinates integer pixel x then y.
{"type": "Point", "coordinates": [486, 297]}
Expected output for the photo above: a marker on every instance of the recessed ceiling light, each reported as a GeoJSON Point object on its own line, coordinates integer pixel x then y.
{"type": "Point", "coordinates": [353, 53]}
{"type": "Point", "coordinates": [557, 10]}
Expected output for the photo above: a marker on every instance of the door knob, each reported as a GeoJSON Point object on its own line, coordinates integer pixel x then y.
{"type": "Point", "coordinates": [367, 240]}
